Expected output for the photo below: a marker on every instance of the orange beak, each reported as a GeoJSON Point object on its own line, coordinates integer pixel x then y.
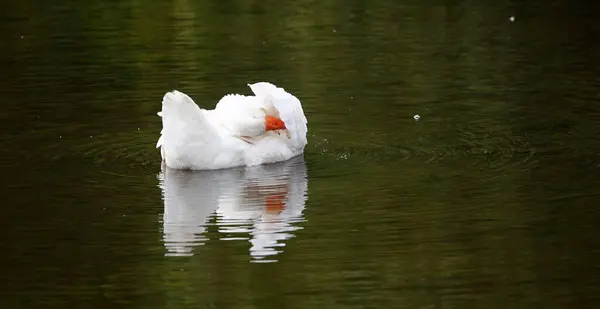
{"type": "Point", "coordinates": [273, 123]}
{"type": "Point", "coordinates": [275, 203]}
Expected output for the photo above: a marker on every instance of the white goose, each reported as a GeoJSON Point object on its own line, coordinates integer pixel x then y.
{"type": "Point", "coordinates": [242, 130]}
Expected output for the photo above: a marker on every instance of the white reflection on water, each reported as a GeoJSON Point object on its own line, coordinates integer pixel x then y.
{"type": "Point", "coordinates": [260, 204]}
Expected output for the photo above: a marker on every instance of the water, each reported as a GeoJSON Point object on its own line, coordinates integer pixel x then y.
{"type": "Point", "coordinates": [488, 201]}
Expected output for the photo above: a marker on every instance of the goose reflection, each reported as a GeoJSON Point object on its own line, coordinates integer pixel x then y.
{"type": "Point", "coordinates": [260, 203]}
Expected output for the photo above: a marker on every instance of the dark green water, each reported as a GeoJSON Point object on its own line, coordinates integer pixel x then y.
{"type": "Point", "coordinates": [490, 200]}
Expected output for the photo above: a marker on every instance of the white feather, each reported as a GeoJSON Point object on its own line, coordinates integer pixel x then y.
{"type": "Point", "coordinates": [233, 133]}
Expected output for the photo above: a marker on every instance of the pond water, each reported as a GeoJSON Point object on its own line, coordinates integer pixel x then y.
{"type": "Point", "coordinates": [489, 200]}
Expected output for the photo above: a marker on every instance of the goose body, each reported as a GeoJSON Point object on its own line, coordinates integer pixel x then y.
{"type": "Point", "coordinates": [267, 127]}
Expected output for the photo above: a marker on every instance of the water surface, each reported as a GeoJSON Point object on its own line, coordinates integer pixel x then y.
{"type": "Point", "coordinates": [488, 201]}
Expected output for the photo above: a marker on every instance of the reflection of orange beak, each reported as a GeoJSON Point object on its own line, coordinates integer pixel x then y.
{"type": "Point", "coordinates": [275, 203]}
{"type": "Point", "coordinates": [273, 123]}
